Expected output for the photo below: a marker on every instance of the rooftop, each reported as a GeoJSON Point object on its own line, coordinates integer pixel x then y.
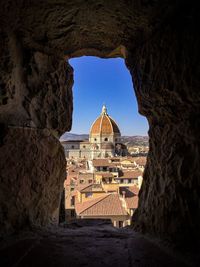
{"type": "Point", "coordinates": [92, 188]}
{"type": "Point", "coordinates": [107, 205]}
{"type": "Point", "coordinates": [140, 161]}
{"type": "Point", "coordinates": [131, 174]}
{"type": "Point", "coordinates": [131, 196]}
{"type": "Point", "coordinates": [102, 163]}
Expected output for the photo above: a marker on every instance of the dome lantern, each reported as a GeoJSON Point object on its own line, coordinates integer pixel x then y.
{"type": "Point", "coordinates": [104, 110]}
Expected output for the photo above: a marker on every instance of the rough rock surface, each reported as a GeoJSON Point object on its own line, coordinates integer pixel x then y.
{"type": "Point", "coordinates": [32, 173]}
{"type": "Point", "coordinates": [167, 85]}
{"type": "Point", "coordinates": [97, 246]}
{"type": "Point", "coordinates": [160, 42]}
{"type": "Point", "coordinates": [35, 89]}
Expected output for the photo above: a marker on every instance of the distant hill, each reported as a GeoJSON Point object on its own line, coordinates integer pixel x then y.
{"type": "Point", "coordinates": [135, 140]}
{"type": "Point", "coordinates": [71, 136]}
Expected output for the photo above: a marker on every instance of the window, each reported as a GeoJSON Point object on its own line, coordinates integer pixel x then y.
{"type": "Point", "coordinates": [83, 146]}
{"type": "Point", "coordinates": [106, 139]}
{"type": "Point", "coordinates": [88, 194]}
{"type": "Point", "coordinates": [72, 201]}
{"type": "Point", "coordinates": [120, 224]}
{"type": "Point", "coordinates": [73, 214]}
{"type": "Point", "coordinates": [72, 147]}
{"type": "Point", "coordinates": [95, 139]}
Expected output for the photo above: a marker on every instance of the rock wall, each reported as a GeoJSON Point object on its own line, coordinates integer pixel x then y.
{"type": "Point", "coordinates": [32, 175]}
{"type": "Point", "coordinates": [36, 88]}
{"type": "Point", "coordinates": [166, 79]}
{"type": "Point", "coordinates": [160, 43]}
{"type": "Point", "coordinates": [35, 99]}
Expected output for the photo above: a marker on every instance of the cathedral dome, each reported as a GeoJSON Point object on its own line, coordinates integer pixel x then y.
{"type": "Point", "coordinates": [104, 125]}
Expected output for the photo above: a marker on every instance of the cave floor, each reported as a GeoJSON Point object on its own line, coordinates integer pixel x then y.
{"type": "Point", "coordinates": [93, 246]}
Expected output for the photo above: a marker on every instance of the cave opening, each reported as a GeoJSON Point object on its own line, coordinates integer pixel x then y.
{"type": "Point", "coordinates": [103, 82]}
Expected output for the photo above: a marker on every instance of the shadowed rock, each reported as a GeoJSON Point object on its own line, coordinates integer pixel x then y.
{"type": "Point", "coordinates": [32, 173]}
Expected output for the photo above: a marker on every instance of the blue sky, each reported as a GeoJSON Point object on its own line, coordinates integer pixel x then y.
{"type": "Point", "coordinates": [98, 81]}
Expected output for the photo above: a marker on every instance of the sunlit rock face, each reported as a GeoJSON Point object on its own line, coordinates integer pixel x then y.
{"type": "Point", "coordinates": [162, 54]}
{"type": "Point", "coordinates": [32, 172]}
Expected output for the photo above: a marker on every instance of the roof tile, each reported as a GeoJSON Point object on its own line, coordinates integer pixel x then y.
{"type": "Point", "coordinates": [109, 205]}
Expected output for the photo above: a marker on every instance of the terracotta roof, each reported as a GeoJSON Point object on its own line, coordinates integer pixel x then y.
{"type": "Point", "coordinates": [115, 160]}
{"type": "Point", "coordinates": [102, 163]}
{"type": "Point", "coordinates": [131, 174]}
{"type": "Point", "coordinates": [131, 196]}
{"type": "Point", "coordinates": [129, 191]}
{"type": "Point", "coordinates": [80, 187]}
{"type": "Point", "coordinates": [108, 205]}
{"type": "Point", "coordinates": [73, 170]}
{"type": "Point", "coordinates": [70, 178]}
{"type": "Point", "coordinates": [105, 174]}
{"type": "Point", "coordinates": [88, 175]}
{"type": "Point", "coordinates": [67, 181]}
{"type": "Point", "coordinates": [92, 188]}
{"type": "Point", "coordinates": [140, 161]}
{"type": "Point", "coordinates": [116, 164]}
{"type": "Point", "coordinates": [132, 202]}
{"type": "Point", "coordinates": [80, 207]}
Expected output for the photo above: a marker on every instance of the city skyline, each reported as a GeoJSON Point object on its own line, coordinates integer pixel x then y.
{"type": "Point", "coordinates": [104, 81]}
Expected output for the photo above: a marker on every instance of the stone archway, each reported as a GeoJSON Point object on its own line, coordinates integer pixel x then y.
{"type": "Point", "coordinates": [36, 103]}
